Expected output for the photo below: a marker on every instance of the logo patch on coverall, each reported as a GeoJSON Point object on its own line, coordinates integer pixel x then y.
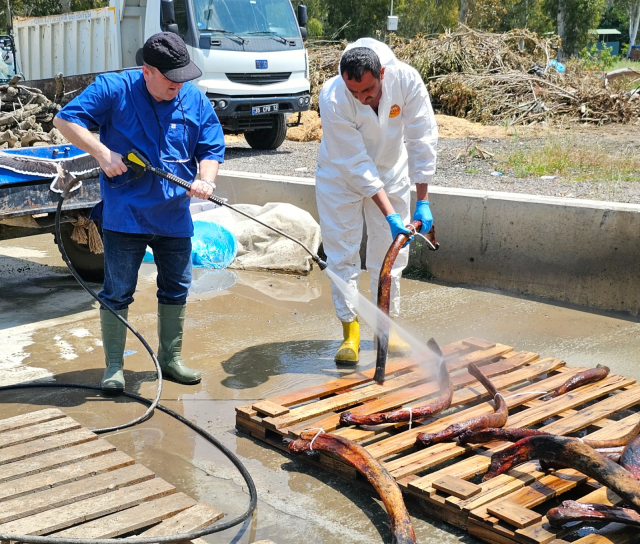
{"type": "Point", "coordinates": [395, 111]}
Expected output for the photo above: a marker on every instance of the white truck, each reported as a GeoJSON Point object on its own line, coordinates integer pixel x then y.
{"type": "Point", "coordinates": [255, 69]}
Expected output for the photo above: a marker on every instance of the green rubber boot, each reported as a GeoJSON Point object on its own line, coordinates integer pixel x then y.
{"type": "Point", "coordinates": [114, 336]}
{"type": "Point", "coordinates": [170, 329]}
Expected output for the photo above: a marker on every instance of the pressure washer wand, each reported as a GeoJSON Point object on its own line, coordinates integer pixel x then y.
{"type": "Point", "coordinates": [136, 161]}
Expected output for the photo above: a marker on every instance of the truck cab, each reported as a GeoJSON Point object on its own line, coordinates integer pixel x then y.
{"type": "Point", "coordinates": [253, 61]}
{"type": "Point", "coordinates": [255, 68]}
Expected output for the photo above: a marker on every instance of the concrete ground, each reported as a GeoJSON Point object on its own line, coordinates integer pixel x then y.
{"type": "Point", "coordinates": [255, 335]}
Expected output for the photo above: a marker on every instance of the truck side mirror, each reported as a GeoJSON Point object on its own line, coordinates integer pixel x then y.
{"type": "Point", "coordinates": [167, 13]}
{"type": "Point", "coordinates": [303, 33]}
{"type": "Point", "coordinates": [302, 15]}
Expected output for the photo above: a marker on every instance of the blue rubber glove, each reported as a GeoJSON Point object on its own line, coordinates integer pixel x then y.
{"type": "Point", "coordinates": [397, 226]}
{"type": "Point", "coordinates": [423, 213]}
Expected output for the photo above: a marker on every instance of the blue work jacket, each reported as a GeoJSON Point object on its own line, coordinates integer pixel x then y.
{"type": "Point", "coordinates": [174, 135]}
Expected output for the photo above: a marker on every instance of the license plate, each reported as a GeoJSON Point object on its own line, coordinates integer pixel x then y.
{"type": "Point", "coordinates": [261, 110]}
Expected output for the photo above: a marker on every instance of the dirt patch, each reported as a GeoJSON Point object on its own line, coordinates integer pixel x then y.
{"type": "Point", "coordinates": [448, 126]}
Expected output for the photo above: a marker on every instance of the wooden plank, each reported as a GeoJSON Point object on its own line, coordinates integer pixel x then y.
{"type": "Point", "coordinates": [616, 429]}
{"type": "Point", "coordinates": [338, 402]}
{"type": "Point", "coordinates": [499, 487]}
{"type": "Point", "coordinates": [545, 488]}
{"type": "Point", "coordinates": [47, 444]}
{"type": "Point", "coordinates": [335, 386]}
{"type": "Point", "coordinates": [514, 514]}
{"type": "Point", "coordinates": [54, 459]}
{"type": "Point", "coordinates": [423, 459]}
{"type": "Point", "coordinates": [452, 353]}
{"type": "Point", "coordinates": [41, 430]}
{"type": "Point", "coordinates": [464, 469]}
{"type": "Point", "coordinates": [245, 412]}
{"type": "Point", "coordinates": [407, 439]}
{"type": "Point", "coordinates": [543, 533]}
{"type": "Point", "coordinates": [478, 357]}
{"type": "Point", "coordinates": [615, 403]}
{"type": "Point", "coordinates": [270, 408]}
{"type": "Point", "coordinates": [138, 517]}
{"type": "Point", "coordinates": [88, 509]}
{"type": "Point", "coordinates": [573, 399]}
{"type": "Point", "coordinates": [31, 418]}
{"type": "Point", "coordinates": [74, 492]}
{"type": "Point", "coordinates": [456, 487]}
{"type": "Point", "coordinates": [423, 391]}
{"type": "Point", "coordinates": [64, 475]}
{"type": "Point", "coordinates": [479, 343]}
{"type": "Point", "coordinates": [195, 518]}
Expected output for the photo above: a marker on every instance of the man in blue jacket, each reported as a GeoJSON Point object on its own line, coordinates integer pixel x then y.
{"type": "Point", "coordinates": [158, 112]}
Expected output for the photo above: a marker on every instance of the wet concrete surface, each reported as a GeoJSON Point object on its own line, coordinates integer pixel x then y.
{"type": "Point", "coordinates": [255, 335]}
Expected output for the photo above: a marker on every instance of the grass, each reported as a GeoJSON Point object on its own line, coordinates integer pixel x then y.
{"type": "Point", "coordinates": [573, 159]}
{"type": "Point", "coordinates": [471, 170]}
{"type": "Point", "coordinates": [625, 63]}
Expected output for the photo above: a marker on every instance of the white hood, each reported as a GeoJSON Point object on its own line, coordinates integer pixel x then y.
{"type": "Point", "coordinates": [383, 51]}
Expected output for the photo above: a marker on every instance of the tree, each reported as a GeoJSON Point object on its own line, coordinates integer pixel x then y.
{"type": "Point", "coordinates": [425, 16]}
{"type": "Point", "coordinates": [632, 8]}
{"type": "Point", "coordinates": [574, 19]}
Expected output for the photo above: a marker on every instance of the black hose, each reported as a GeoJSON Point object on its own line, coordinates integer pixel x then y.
{"type": "Point", "coordinates": [253, 496]}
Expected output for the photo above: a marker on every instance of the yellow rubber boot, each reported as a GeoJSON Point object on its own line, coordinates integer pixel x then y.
{"type": "Point", "coordinates": [350, 347]}
{"type": "Point", "coordinates": [397, 346]}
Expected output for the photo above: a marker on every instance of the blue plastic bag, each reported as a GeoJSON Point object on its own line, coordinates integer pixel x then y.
{"type": "Point", "coordinates": [558, 66]}
{"type": "Point", "coordinates": [212, 246]}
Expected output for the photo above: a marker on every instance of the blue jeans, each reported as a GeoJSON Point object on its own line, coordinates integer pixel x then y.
{"type": "Point", "coordinates": [123, 254]}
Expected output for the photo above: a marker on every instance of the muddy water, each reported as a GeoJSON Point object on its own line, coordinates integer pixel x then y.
{"type": "Point", "coordinates": [255, 335]}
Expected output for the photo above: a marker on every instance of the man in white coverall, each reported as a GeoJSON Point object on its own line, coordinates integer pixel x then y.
{"type": "Point", "coordinates": [379, 135]}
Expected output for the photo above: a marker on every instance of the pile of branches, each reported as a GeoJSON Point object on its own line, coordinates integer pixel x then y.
{"type": "Point", "coordinates": [500, 79]}
{"type": "Point", "coordinates": [26, 116]}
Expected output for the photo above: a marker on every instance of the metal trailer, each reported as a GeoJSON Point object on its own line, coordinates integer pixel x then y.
{"type": "Point", "coordinates": [28, 206]}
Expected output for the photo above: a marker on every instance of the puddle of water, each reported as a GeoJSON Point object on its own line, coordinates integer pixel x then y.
{"type": "Point", "coordinates": [380, 323]}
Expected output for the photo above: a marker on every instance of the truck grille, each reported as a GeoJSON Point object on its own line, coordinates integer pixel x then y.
{"type": "Point", "coordinates": [259, 79]}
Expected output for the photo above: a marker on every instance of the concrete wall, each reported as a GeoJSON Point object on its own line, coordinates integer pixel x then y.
{"type": "Point", "coordinates": [579, 251]}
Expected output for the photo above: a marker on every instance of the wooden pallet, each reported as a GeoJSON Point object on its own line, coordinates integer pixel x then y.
{"type": "Point", "coordinates": [58, 478]}
{"type": "Point", "coordinates": [445, 480]}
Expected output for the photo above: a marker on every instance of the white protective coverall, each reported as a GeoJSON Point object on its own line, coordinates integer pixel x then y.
{"type": "Point", "coordinates": [361, 153]}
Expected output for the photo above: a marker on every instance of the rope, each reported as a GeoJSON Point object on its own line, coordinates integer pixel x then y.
{"type": "Point", "coordinates": [85, 232]}
{"type": "Point", "coordinates": [410, 417]}
{"type": "Point", "coordinates": [320, 431]}
{"type": "Point", "coordinates": [416, 233]}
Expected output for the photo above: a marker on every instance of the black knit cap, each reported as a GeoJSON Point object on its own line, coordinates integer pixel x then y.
{"type": "Point", "coordinates": [167, 52]}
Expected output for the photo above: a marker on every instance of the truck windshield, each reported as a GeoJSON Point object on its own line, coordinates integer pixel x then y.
{"type": "Point", "coordinates": [246, 17]}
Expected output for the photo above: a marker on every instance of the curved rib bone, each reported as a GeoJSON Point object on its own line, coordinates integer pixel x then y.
{"type": "Point", "coordinates": [630, 459]}
{"type": "Point", "coordinates": [442, 402]}
{"type": "Point", "coordinates": [372, 470]}
{"type": "Point", "coordinates": [576, 511]}
{"type": "Point", "coordinates": [497, 419]}
{"type": "Point", "coordinates": [571, 511]}
{"type": "Point", "coordinates": [568, 452]}
{"type": "Point", "coordinates": [384, 294]}
{"type": "Point", "coordinates": [600, 372]}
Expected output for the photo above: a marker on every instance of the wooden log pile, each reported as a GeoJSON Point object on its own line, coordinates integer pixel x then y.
{"type": "Point", "coordinates": [26, 116]}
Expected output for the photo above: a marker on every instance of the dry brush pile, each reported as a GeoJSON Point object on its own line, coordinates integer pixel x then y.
{"type": "Point", "coordinates": [501, 79]}
{"type": "Point", "coordinates": [26, 116]}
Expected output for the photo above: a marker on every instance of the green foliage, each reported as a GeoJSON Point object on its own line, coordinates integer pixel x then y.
{"type": "Point", "coordinates": [597, 59]}
{"type": "Point", "coordinates": [505, 15]}
{"type": "Point", "coordinates": [580, 16]}
{"type": "Point", "coordinates": [314, 28]}
{"type": "Point", "coordinates": [425, 16]}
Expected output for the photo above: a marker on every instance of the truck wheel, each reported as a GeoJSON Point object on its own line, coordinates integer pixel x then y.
{"type": "Point", "coordinates": [89, 266]}
{"type": "Point", "coordinates": [269, 138]}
